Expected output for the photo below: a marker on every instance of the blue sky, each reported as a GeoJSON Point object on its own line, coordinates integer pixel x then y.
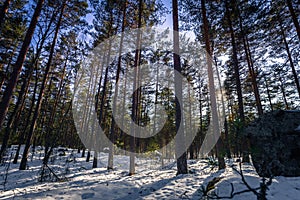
{"type": "Point", "coordinates": [168, 22]}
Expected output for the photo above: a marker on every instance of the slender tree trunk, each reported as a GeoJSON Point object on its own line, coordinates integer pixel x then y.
{"type": "Point", "coordinates": [238, 82]}
{"type": "Point", "coordinates": [294, 17]}
{"type": "Point", "coordinates": [102, 101]}
{"type": "Point", "coordinates": [180, 140]}
{"type": "Point", "coordinates": [51, 121]}
{"type": "Point", "coordinates": [8, 93]}
{"type": "Point", "coordinates": [215, 119]}
{"type": "Point", "coordinates": [295, 74]}
{"type": "Point", "coordinates": [23, 92]}
{"type": "Point", "coordinates": [268, 93]}
{"type": "Point", "coordinates": [236, 66]}
{"type": "Point", "coordinates": [123, 108]}
{"type": "Point", "coordinates": [41, 94]}
{"type": "Point", "coordinates": [23, 133]}
{"type": "Point", "coordinates": [16, 110]}
{"type": "Point", "coordinates": [92, 82]}
{"type": "Point", "coordinates": [251, 68]}
{"type": "Point", "coordinates": [112, 128]}
{"type": "Point", "coordinates": [226, 131]}
{"type": "Point", "coordinates": [134, 110]}
{"type": "Point", "coordinates": [192, 146]}
{"type": "Point", "coordinates": [283, 92]}
{"type": "Point", "coordinates": [200, 115]}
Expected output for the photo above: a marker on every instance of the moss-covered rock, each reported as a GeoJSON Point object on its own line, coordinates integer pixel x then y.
{"type": "Point", "coordinates": [275, 143]}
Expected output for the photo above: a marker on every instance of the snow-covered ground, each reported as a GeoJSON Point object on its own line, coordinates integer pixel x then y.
{"type": "Point", "coordinates": [79, 181]}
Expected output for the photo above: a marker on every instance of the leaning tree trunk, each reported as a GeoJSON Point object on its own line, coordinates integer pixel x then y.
{"type": "Point", "coordinates": [8, 93]}
{"type": "Point", "coordinates": [250, 67]}
{"type": "Point", "coordinates": [14, 118]}
{"type": "Point", "coordinates": [41, 93]}
{"type": "Point", "coordinates": [295, 74]}
{"type": "Point", "coordinates": [294, 17]}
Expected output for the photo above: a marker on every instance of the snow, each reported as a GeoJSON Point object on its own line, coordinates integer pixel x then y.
{"type": "Point", "coordinates": [150, 182]}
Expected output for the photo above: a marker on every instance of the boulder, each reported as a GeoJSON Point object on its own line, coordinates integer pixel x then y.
{"type": "Point", "coordinates": [275, 143]}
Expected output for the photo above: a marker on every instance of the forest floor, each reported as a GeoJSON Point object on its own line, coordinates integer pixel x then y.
{"type": "Point", "coordinates": [78, 180]}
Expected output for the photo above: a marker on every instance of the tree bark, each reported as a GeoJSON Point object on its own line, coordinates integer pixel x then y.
{"type": "Point", "coordinates": [41, 93]}
{"type": "Point", "coordinates": [8, 93]}
{"type": "Point", "coordinates": [295, 75]}
{"type": "Point", "coordinates": [180, 139]}
{"type": "Point", "coordinates": [250, 67]}
{"type": "Point", "coordinates": [23, 133]}
{"type": "Point", "coordinates": [18, 107]}
{"type": "Point", "coordinates": [112, 128]}
{"type": "Point", "coordinates": [213, 101]}
{"type": "Point", "coordinates": [14, 118]}
{"type": "Point", "coordinates": [238, 82]}
{"type": "Point", "coordinates": [134, 110]}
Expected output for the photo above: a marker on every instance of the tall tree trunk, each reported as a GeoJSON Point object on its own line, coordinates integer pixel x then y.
{"type": "Point", "coordinates": [112, 128]}
{"type": "Point", "coordinates": [51, 121]}
{"type": "Point", "coordinates": [123, 108]}
{"type": "Point", "coordinates": [294, 17]}
{"type": "Point", "coordinates": [238, 81]}
{"type": "Point", "coordinates": [19, 106]}
{"type": "Point", "coordinates": [250, 67]}
{"type": "Point", "coordinates": [23, 133]}
{"type": "Point", "coordinates": [236, 65]}
{"type": "Point", "coordinates": [24, 89]}
{"type": "Point", "coordinates": [41, 93]}
{"type": "Point", "coordinates": [180, 140]}
{"type": "Point", "coordinates": [226, 131]}
{"type": "Point", "coordinates": [213, 101]}
{"type": "Point", "coordinates": [201, 131]}
{"type": "Point", "coordinates": [192, 146]}
{"type": "Point", "coordinates": [134, 110]}
{"type": "Point", "coordinates": [8, 93]}
{"type": "Point", "coordinates": [102, 101]}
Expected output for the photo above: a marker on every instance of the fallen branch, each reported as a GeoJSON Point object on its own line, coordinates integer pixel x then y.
{"type": "Point", "coordinates": [261, 195]}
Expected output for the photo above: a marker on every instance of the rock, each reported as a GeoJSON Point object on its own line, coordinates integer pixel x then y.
{"type": "Point", "coordinates": [275, 143]}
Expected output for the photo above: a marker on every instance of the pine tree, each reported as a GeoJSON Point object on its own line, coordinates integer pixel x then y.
{"type": "Point", "coordinates": [4, 105]}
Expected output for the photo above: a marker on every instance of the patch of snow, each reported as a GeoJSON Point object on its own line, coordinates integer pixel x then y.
{"type": "Point", "coordinates": [150, 182]}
